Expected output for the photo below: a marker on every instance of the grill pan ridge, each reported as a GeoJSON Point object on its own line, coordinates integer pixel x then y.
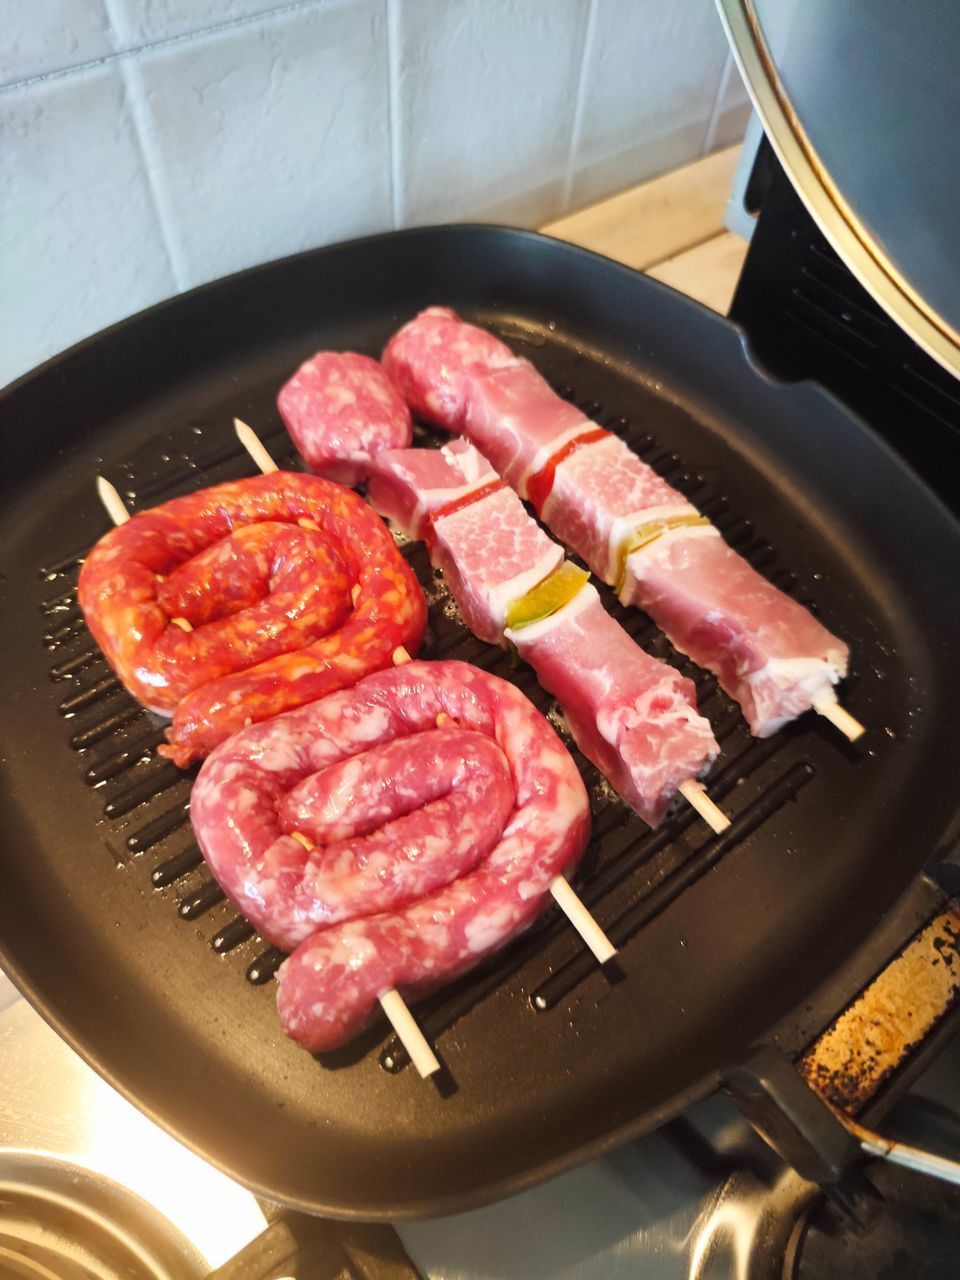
{"type": "Point", "coordinates": [112, 925]}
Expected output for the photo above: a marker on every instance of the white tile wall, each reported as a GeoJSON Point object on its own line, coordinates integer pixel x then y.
{"type": "Point", "coordinates": [138, 22]}
{"type": "Point", "coordinates": [81, 246]}
{"type": "Point", "coordinates": [150, 145]}
{"type": "Point", "coordinates": [485, 95]}
{"type": "Point", "coordinates": [651, 80]}
{"type": "Point", "coordinates": [39, 36]}
{"type": "Point", "coordinates": [268, 138]}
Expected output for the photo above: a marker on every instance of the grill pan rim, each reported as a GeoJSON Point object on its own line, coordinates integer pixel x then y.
{"type": "Point", "coordinates": [614, 1137]}
{"type": "Point", "coordinates": [818, 394]}
{"type": "Point", "coordinates": [397, 1211]}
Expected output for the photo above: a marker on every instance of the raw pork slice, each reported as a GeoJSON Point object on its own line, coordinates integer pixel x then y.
{"type": "Point", "coordinates": [632, 528]}
{"type": "Point", "coordinates": [517, 421]}
{"type": "Point", "coordinates": [599, 495]}
{"type": "Point", "coordinates": [634, 717]}
{"type": "Point", "coordinates": [406, 485]}
{"type": "Point", "coordinates": [490, 551]}
{"type": "Point", "coordinates": [767, 651]}
{"type": "Point", "coordinates": [341, 409]}
{"type": "Point", "coordinates": [428, 358]}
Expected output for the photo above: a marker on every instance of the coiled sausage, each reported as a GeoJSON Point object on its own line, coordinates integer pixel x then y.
{"type": "Point", "coordinates": [230, 605]}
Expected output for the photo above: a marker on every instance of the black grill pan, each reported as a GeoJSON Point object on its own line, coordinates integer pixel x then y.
{"type": "Point", "coordinates": [109, 923]}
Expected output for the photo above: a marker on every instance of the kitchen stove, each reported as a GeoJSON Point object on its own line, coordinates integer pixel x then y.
{"type": "Point", "coordinates": [90, 1189]}
{"type": "Point", "coordinates": [80, 1161]}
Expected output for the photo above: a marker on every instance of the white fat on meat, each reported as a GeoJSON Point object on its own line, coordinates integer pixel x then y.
{"type": "Point", "coordinates": [658, 550]}
{"type": "Point", "coordinates": [623, 526]}
{"type": "Point", "coordinates": [633, 716]}
{"type": "Point", "coordinates": [782, 682]}
{"type": "Point", "coordinates": [546, 451]}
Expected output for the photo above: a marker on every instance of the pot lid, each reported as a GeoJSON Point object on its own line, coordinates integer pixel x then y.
{"type": "Point", "coordinates": [862, 105]}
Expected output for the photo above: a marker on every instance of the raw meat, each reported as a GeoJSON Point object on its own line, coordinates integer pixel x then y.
{"type": "Point", "coordinates": [600, 494]}
{"type": "Point", "coordinates": [341, 409]}
{"type": "Point", "coordinates": [632, 528]}
{"type": "Point", "coordinates": [767, 651]}
{"type": "Point", "coordinates": [428, 358]}
{"type": "Point", "coordinates": [407, 485]}
{"type": "Point", "coordinates": [516, 420]}
{"type": "Point", "coordinates": [232, 604]}
{"type": "Point", "coordinates": [633, 716]}
{"type": "Point", "coordinates": [491, 554]}
{"type": "Point", "coordinates": [490, 551]}
{"type": "Point", "coordinates": [433, 846]}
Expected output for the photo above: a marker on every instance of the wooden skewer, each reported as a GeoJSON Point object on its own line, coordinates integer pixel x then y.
{"type": "Point", "coordinates": [391, 1001]}
{"type": "Point", "coordinates": [409, 1034]}
{"type": "Point", "coordinates": [108, 495]}
{"type": "Point", "coordinates": [692, 791]}
{"type": "Point", "coordinates": [400, 1017]}
{"type": "Point", "coordinates": [695, 794]}
{"type": "Point", "coordinates": [581, 919]}
{"type": "Point", "coordinates": [828, 707]}
{"type": "Point", "coordinates": [253, 445]}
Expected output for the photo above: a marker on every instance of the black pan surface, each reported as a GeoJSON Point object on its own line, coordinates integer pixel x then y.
{"type": "Point", "coordinates": [107, 920]}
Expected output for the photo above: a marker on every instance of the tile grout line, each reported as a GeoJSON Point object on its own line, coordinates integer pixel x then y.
{"type": "Point", "coordinates": [576, 126]}
{"type": "Point", "coordinates": [136, 100]}
{"type": "Point", "coordinates": [166, 42]}
{"type": "Point", "coordinates": [393, 109]}
{"type": "Point", "coordinates": [711, 134]}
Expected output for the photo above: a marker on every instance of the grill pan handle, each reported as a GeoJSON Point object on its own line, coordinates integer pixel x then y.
{"type": "Point", "coordinates": [806, 1109]}
{"type": "Point", "coordinates": [307, 1248]}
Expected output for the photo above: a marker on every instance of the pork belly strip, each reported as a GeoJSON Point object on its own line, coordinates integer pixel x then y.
{"type": "Point", "coordinates": [633, 716]}
{"type": "Point", "coordinates": [767, 651]}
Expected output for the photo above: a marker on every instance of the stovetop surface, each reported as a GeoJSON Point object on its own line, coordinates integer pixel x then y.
{"type": "Point", "coordinates": [701, 1199]}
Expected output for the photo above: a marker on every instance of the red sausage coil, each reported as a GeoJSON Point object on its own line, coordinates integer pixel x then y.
{"type": "Point", "coordinates": [227, 606]}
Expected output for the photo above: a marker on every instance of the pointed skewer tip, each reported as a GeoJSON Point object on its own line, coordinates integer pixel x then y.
{"type": "Point", "coordinates": [112, 502]}
{"type": "Point", "coordinates": [254, 446]}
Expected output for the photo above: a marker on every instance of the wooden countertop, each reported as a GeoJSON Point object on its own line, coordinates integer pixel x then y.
{"type": "Point", "coordinates": [671, 227]}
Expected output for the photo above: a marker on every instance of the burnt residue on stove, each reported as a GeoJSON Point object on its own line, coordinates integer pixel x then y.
{"type": "Point", "coordinates": [875, 1034]}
